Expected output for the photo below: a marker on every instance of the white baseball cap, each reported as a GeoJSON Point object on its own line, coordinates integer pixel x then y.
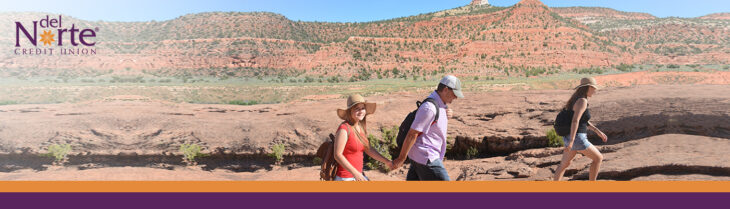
{"type": "Point", "coordinates": [453, 83]}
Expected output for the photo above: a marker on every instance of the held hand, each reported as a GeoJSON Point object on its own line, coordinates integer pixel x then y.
{"type": "Point", "coordinates": [449, 113]}
{"type": "Point", "coordinates": [397, 163]}
{"type": "Point", "coordinates": [389, 165]}
{"type": "Point", "coordinates": [359, 177]}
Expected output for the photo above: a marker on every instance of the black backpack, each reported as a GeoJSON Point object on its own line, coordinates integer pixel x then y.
{"type": "Point", "coordinates": [563, 122]}
{"type": "Point", "coordinates": [405, 126]}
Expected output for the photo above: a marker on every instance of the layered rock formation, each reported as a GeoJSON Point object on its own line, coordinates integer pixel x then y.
{"type": "Point", "coordinates": [466, 40]}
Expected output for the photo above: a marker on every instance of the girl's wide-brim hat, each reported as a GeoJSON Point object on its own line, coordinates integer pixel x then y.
{"type": "Point", "coordinates": [353, 100]}
{"type": "Point", "coordinates": [588, 82]}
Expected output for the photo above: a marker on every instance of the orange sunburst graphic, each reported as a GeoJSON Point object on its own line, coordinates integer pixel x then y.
{"type": "Point", "coordinates": [47, 37]}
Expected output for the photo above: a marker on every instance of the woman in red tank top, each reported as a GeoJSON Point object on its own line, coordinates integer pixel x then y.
{"type": "Point", "coordinates": [351, 141]}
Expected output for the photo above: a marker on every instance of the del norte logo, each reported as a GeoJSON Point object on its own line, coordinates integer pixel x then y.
{"type": "Point", "coordinates": [54, 38]}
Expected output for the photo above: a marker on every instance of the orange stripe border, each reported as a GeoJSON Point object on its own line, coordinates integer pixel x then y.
{"type": "Point", "coordinates": [382, 186]}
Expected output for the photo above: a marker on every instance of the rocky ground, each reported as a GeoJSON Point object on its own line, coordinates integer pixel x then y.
{"type": "Point", "coordinates": [115, 137]}
{"type": "Point", "coordinates": [663, 157]}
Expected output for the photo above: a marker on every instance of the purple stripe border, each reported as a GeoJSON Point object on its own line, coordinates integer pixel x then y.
{"type": "Point", "coordinates": [364, 200]}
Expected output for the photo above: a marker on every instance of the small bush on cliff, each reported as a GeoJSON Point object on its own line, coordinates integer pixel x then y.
{"type": "Point", "coordinates": [317, 161]}
{"type": "Point", "coordinates": [277, 152]}
{"type": "Point", "coordinates": [59, 152]}
{"type": "Point", "coordinates": [191, 153]}
{"type": "Point", "coordinates": [449, 148]}
{"type": "Point", "coordinates": [553, 139]}
{"type": "Point", "coordinates": [472, 152]}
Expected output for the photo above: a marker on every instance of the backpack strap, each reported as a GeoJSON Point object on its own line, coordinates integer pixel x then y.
{"type": "Point", "coordinates": [359, 137]}
{"type": "Point", "coordinates": [432, 101]}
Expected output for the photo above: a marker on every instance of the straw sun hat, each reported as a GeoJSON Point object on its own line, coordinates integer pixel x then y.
{"type": "Point", "coordinates": [353, 100]}
{"type": "Point", "coordinates": [588, 82]}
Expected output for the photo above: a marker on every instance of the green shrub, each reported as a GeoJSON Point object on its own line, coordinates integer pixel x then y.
{"type": "Point", "coordinates": [449, 148]}
{"type": "Point", "coordinates": [472, 152]}
{"type": "Point", "coordinates": [317, 161]}
{"type": "Point", "coordinates": [383, 149]}
{"type": "Point", "coordinates": [277, 152]}
{"type": "Point", "coordinates": [592, 70]}
{"type": "Point", "coordinates": [389, 136]}
{"type": "Point", "coordinates": [239, 102]}
{"type": "Point", "coordinates": [8, 102]}
{"type": "Point", "coordinates": [534, 71]}
{"type": "Point", "coordinates": [553, 139]}
{"type": "Point", "coordinates": [191, 152]}
{"type": "Point", "coordinates": [59, 152]}
{"type": "Point", "coordinates": [625, 67]}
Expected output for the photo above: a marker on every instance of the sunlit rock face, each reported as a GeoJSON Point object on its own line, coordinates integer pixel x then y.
{"type": "Point", "coordinates": [479, 2]}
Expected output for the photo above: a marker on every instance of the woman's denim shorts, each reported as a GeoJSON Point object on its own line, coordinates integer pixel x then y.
{"type": "Point", "coordinates": [580, 143]}
{"type": "Point", "coordinates": [338, 178]}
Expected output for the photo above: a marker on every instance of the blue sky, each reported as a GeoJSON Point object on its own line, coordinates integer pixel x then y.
{"type": "Point", "coordinates": [329, 10]}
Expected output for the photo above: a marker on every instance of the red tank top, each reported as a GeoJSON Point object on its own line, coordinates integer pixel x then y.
{"type": "Point", "coordinates": [353, 151]}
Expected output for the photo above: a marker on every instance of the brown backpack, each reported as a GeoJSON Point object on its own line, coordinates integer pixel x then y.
{"type": "Point", "coordinates": [326, 152]}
